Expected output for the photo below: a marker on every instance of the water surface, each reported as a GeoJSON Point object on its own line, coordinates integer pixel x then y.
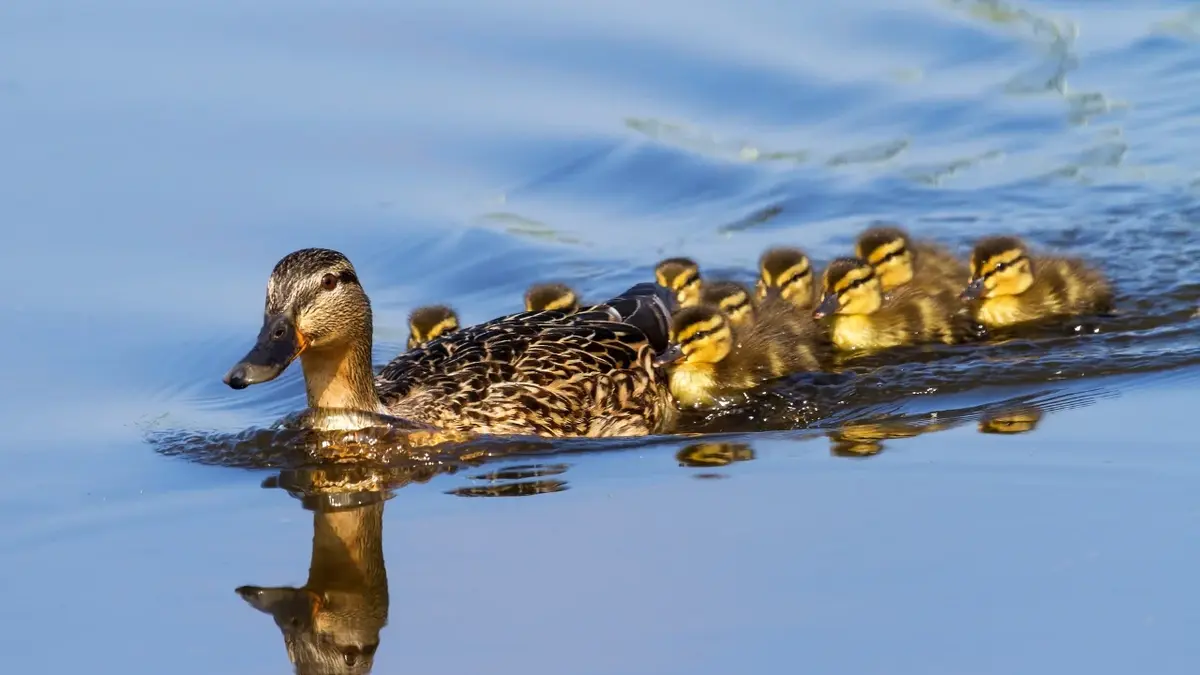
{"type": "Point", "coordinates": [158, 160]}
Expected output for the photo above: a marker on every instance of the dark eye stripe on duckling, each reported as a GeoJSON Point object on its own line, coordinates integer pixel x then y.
{"type": "Point", "coordinates": [686, 280]}
{"type": "Point", "coordinates": [1001, 266]}
{"type": "Point", "coordinates": [735, 304]}
{"type": "Point", "coordinates": [891, 255]}
{"type": "Point", "coordinates": [701, 330]}
{"type": "Point", "coordinates": [793, 274]}
{"type": "Point", "coordinates": [854, 284]}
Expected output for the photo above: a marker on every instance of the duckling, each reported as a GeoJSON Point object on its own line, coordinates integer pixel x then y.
{"type": "Point", "coordinates": [786, 273]}
{"type": "Point", "coordinates": [733, 299]}
{"type": "Point", "coordinates": [557, 297]}
{"type": "Point", "coordinates": [682, 276]}
{"type": "Point", "coordinates": [429, 322]}
{"type": "Point", "coordinates": [898, 260]}
{"type": "Point", "coordinates": [863, 320]}
{"type": "Point", "coordinates": [1010, 286]}
{"type": "Point", "coordinates": [713, 360]}
{"type": "Point", "coordinates": [593, 373]}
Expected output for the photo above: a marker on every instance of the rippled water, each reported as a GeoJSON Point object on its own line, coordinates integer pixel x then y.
{"type": "Point", "coordinates": [1023, 506]}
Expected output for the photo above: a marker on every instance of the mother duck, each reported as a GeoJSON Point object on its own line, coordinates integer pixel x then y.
{"type": "Point", "coordinates": [592, 373]}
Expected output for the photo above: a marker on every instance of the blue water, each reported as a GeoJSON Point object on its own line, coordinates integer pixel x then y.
{"type": "Point", "coordinates": [159, 158]}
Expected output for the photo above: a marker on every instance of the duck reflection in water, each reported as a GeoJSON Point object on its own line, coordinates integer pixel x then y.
{"type": "Point", "coordinates": [331, 624]}
{"type": "Point", "coordinates": [1012, 421]}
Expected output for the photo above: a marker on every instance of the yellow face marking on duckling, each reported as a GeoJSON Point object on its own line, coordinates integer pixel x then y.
{"type": "Point", "coordinates": [787, 270]}
{"type": "Point", "coordinates": [732, 299]}
{"type": "Point", "coordinates": [705, 338]}
{"type": "Point", "coordinates": [857, 291]}
{"type": "Point", "coordinates": [681, 275]}
{"type": "Point", "coordinates": [1005, 273]}
{"type": "Point", "coordinates": [892, 261]}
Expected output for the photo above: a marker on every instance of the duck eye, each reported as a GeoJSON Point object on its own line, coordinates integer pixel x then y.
{"type": "Point", "coordinates": [329, 282]}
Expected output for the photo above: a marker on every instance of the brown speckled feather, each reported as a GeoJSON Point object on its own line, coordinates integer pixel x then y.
{"type": "Point", "coordinates": [545, 373]}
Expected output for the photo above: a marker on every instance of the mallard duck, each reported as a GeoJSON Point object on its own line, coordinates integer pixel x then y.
{"type": "Point", "coordinates": [429, 322]}
{"type": "Point", "coordinates": [1010, 286]}
{"type": "Point", "coordinates": [786, 273]}
{"type": "Point", "coordinates": [710, 358]}
{"type": "Point", "coordinates": [732, 298]}
{"type": "Point", "coordinates": [535, 373]}
{"type": "Point", "coordinates": [682, 277]}
{"type": "Point", "coordinates": [899, 260]}
{"type": "Point", "coordinates": [557, 297]}
{"type": "Point", "coordinates": [861, 318]}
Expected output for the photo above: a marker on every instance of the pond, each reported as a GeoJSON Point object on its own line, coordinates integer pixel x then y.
{"type": "Point", "coordinates": [1019, 506]}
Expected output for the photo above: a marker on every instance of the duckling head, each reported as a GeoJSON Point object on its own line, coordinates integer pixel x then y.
{"type": "Point", "coordinates": [558, 297]}
{"type": "Point", "coordinates": [703, 335]}
{"type": "Point", "coordinates": [888, 249]}
{"type": "Point", "coordinates": [1000, 266]}
{"type": "Point", "coordinates": [732, 298]}
{"type": "Point", "coordinates": [788, 272]}
{"type": "Point", "coordinates": [430, 322]}
{"type": "Point", "coordinates": [681, 275]}
{"type": "Point", "coordinates": [314, 304]}
{"type": "Point", "coordinates": [850, 286]}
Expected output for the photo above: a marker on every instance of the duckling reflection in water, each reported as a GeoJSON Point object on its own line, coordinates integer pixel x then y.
{"type": "Point", "coordinates": [713, 360]}
{"type": "Point", "coordinates": [787, 274]}
{"type": "Point", "coordinates": [1016, 421]}
{"type": "Point", "coordinates": [552, 296]}
{"type": "Point", "coordinates": [1010, 285]}
{"type": "Point", "coordinates": [589, 374]}
{"type": "Point", "coordinates": [332, 623]}
{"type": "Point", "coordinates": [899, 260]}
{"type": "Point", "coordinates": [430, 322]}
{"type": "Point", "coordinates": [682, 277]}
{"type": "Point", "coordinates": [861, 318]}
{"type": "Point", "coordinates": [864, 439]}
{"type": "Point", "coordinates": [714, 454]}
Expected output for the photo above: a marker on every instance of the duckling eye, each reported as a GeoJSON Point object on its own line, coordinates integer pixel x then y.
{"type": "Point", "coordinates": [329, 281]}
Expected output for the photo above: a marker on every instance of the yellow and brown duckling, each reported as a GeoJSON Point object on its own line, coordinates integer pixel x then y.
{"type": "Point", "coordinates": [682, 277]}
{"type": "Point", "coordinates": [430, 322]}
{"type": "Point", "coordinates": [861, 318]}
{"type": "Point", "coordinates": [786, 273]}
{"type": "Point", "coordinates": [899, 260]}
{"type": "Point", "coordinates": [593, 373]}
{"type": "Point", "coordinates": [733, 299]}
{"type": "Point", "coordinates": [714, 359]}
{"type": "Point", "coordinates": [551, 296]}
{"type": "Point", "coordinates": [1009, 285]}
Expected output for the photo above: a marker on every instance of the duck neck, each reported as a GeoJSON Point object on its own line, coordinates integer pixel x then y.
{"type": "Point", "coordinates": [340, 377]}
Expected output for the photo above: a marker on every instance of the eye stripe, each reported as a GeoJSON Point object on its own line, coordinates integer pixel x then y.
{"type": "Point", "coordinates": [740, 304]}
{"type": "Point", "coordinates": [898, 252]}
{"type": "Point", "coordinates": [1000, 267]}
{"type": "Point", "coordinates": [856, 283]}
{"type": "Point", "coordinates": [700, 335]}
{"type": "Point", "coordinates": [795, 277]}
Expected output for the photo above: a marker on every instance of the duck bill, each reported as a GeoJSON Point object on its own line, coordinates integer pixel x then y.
{"type": "Point", "coordinates": [973, 291]}
{"type": "Point", "coordinates": [279, 343]}
{"type": "Point", "coordinates": [829, 305]}
{"type": "Point", "coordinates": [672, 354]}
